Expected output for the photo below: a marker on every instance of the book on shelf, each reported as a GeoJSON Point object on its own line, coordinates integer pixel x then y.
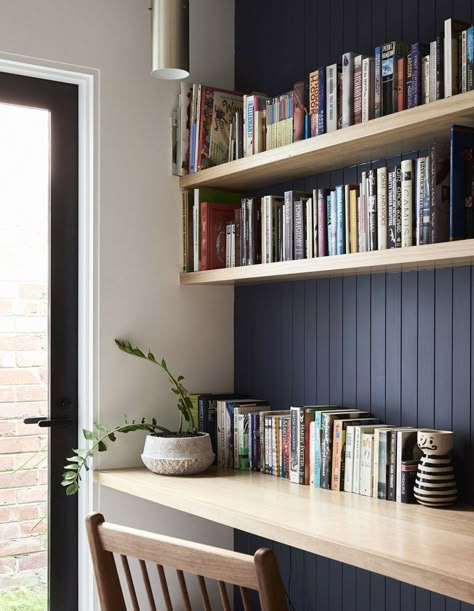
{"type": "Point", "coordinates": [407, 451]}
{"type": "Point", "coordinates": [333, 101]}
{"type": "Point", "coordinates": [391, 52]}
{"type": "Point", "coordinates": [439, 154]}
{"type": "Point", "coordinates": [380, 462]}
{"type": "Point", "coordinates": [452, 29]}
{"type": "Point", "coordinates": [207, 416]}
{"type": "Point", "coordinates": [214, 219]}
{"type": "Point", "coordinates": [348, 89]}
{"type": "Point", "coordinates": [366, 464]}
{"type": "Point", "coordinates": [357, 453]}
{"type": "Point", "coordinates": [461, 182]}
{"type": "Point", "coordinates": [406, 171]}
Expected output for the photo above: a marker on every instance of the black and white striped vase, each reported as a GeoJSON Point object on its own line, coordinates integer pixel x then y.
{"type": "Point", "coordinates": [435, 484]}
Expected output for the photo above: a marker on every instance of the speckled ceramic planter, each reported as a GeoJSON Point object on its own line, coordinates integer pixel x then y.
{"type": "Point", "coordinates": [178, 455]}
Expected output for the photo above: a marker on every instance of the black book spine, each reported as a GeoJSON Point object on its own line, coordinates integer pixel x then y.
{"type": "Point", "coordinates": [243, 232]}
{"type": "Point", "coordinates": [407, 481]}
{"type": "Point", "coordinates": [258, 234]}
{"type": "Point", "coordinates": [280, 234]}
{"type": "Point", "coordinates": [237, 222]}
{"type": "Point", "coordinates": [391, 465]}
{"type": "Point", "coordinates": [202, 422]}
{"type": "Point", "coordinates": [398, 211]}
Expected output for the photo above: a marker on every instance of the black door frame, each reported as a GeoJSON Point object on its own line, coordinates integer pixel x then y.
{"type": "Point", "coordinates": [61, 99]}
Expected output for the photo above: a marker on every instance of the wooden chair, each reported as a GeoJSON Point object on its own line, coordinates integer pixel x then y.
{"type": "Point", "coordinates": [259, 572]}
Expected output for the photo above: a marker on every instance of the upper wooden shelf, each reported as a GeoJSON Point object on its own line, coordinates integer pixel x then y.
{"type": "Point", "coordinates": [422, 546]}
{"type": "Point", "coordinates": [401, 132]}
{"type": "Point", "coordinates": [446, 254]}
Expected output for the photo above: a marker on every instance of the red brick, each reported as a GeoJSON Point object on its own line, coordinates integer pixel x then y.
{"type": "Point", "coordinates": [23, 444]}
{"type": "Point", "coordinates": [31, 495]}
{"type": "Point", "coordinates": [14, 376]}
{"type": "Point", "coordinates": [20, 513]}
{"type": "Point", "coordinates": [7, 565]}
{"type": "Point", "coordinates": [35, 392]}
{"type": "Point", "coordinates": [7, 427]}
{"type": "Point", "coordinates": [33, 561]}
{"type": "Point", "coordinates": [33, 528]}
{"type": "Point", "coordinates": [16, 547]}
{"type": "Point", "coordinates": [32, 291]}
{"type": "Point", "coordinates": [14, 341]}
{"type": "Point", "coordinates": [20, 479]}
{"type": "Point", "coordinates": [7, 497]}
{"type": "Point", "coordinates": [7, 462]}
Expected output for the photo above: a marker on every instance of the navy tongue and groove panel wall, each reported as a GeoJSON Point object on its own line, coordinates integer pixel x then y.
{"type": "Point", "coordinates": [399, 344]}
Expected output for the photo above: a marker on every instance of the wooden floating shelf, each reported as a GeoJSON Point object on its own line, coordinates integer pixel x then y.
{"type": "Point", "coordinates": [446, 254]}
{"type": "Point", "coordinates": [421, 546]}
{"type": "Point", "coordinates": [398, 133]}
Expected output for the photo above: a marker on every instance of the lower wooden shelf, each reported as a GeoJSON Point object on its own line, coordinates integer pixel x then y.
{"type": "Point", "coordinates": [430, 548]}
{"type": "Point", "coordinates": [446, 254]}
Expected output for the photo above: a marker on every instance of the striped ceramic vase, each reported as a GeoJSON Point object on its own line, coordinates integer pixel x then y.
{"type": "Point", "coordinates": [435, 484]}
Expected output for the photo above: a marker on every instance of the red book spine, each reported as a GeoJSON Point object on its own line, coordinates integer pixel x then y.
{"type": "Point", "coordinates": [204, 263]}
{"type": "Point", "coordinates": [402, 83]}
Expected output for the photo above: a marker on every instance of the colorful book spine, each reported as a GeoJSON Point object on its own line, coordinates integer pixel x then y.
{"type": "Point", "coordinates": [417, 50]}
{"type": "Point", "coordinates": [322, 222]}
{"type": "Point", "coordinates": [391, 52]}
{"type": "Point", "coordinates": [322, 101]}
{"type": "Point", "coordinates": [348, 89]}
{"type": "Point", "coordinates": [340, 221]}
{"type": "Point", "coordinates": [285, 446]}
{"type": "Point", "coordinates": [470, 59]}
{"type": "Point", "coordinates": [427, 203]}
{"type": "Point", "coordinates": [452, 29]}
{"type": "Point", "coordinates": [378, 83]}
{"type": "Point", "coordinates": [354, 238]}
{"type": "Point", "coordinates": [334, 221]}
{"type": "Point", "coordinates": [329, 223]}
{"type": "Point", "coordinates": [299, 230]}
{"type": "Point", "coordinates": [296, 416]}
{"type": "Point", "coordinates": [392, 218]}
{"type": "Point", "coordinates": [382, 208]}
{"type": "Point", "coordinates": [382, 464]}
{"type": "Point", "coordinates": [358, 88]}
{"type": "Point", "coordinates": [404, 76]}
{"type": "Point", "coordinates": [314, 101]}
{"type": "Point", "coordinates": [407, 202]}
{"type": "Point", "coordinates": [398, 204]}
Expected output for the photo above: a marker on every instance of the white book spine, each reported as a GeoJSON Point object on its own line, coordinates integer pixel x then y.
{"type": "Point", "coordinates": [366, 464]}
{"type": "Point", "coordinates": [227, 245]}
{"type": "Point", "coordinates": [356, 460]}
{"type": "Point", "coordinates": [426, 82]}
{"type": "Point", "coordinates": [368, 88]}
{"type": "Point", "coordinates": [312, 434]}
{"type": "Point", "coordinates": [375, 469]}
{"type": "Point", "coordinates": [433, 71]}
{"type": "Point", "coordinates": [348, 461]}
{"type": "Point", "coordinates": [347, 89]}
{"type": "Point", "coordinates": [407, 202]}
{"type": "Point", "coordinates": [382, 208]}
{"type": "Point", "coordinates": [363, 214]}
{"type": "Point", "coordinates": [331, 98]}
{"type": "Point", "coordinates": [232, 245]}
{"type": "Point", "coordinates": [248, 137]}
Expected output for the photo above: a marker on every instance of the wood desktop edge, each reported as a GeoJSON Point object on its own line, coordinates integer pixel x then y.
{"type": "Point", "coordinates": [396, 568]}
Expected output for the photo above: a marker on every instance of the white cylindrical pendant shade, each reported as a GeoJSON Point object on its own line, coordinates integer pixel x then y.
{"type": "Point", "coordinates": [170, 39]}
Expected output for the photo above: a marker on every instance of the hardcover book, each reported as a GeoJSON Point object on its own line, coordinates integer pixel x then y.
{"type": "Point", "coordinates": [322, 101]}
{"type": "Point", "coordinates": [382, 208]}
{"type": "Point", "coordinates": [314, 101]}
{"type": "Point", "coordinates": [332, 96]}
{"type": "Point", "coordinates": [391, 52]}
{"type": "Point", "coordinates": [439, 191]}
{"type": "Point", "coordinates": [214, 218]}
{"type": "Point", "coordinates": [225, 105]}
{"type": "Point", "coordinates": [407, 202]}
{"type": "Point", "coordinates": [452, 29]}
{"type": "Point", "coordinates": [348, 89]}
{"type": "Point", "coordinates": [461, 182]}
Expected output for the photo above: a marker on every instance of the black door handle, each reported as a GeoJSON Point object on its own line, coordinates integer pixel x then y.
{"type": "Point", "coordinates": [45, 423]}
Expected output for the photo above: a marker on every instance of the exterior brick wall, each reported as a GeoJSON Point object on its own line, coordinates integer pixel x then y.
{"type": "Point", "coordinates": [23, 464]}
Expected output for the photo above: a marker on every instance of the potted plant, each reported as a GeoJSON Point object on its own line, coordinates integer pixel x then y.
{"type": "Point", "coordinates": [182, 452]}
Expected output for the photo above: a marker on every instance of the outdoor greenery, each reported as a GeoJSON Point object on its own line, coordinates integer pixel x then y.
{"type": "Point", "coordinates": [24, 600]}
{"type": "Point", "coordinates": [101, 435]}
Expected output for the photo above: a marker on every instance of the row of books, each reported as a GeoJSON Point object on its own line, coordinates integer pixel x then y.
{"type": "Point", "coordinates": [212, 125]}
{"type": "Point", "coordinates": [420, 201]}
{"type": "Point", "coordinates": [325, 446]}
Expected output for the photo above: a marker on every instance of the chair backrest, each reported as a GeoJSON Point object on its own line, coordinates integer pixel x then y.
{"type": "Point", "coordinates": [259, 572]}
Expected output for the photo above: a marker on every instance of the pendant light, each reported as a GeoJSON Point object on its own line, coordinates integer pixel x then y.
{"type": "Point", "coordinates": [170, 39]}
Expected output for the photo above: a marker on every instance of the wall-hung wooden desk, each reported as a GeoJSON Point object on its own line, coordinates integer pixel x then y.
{"type": "Point", "coordinates": [425, 547]}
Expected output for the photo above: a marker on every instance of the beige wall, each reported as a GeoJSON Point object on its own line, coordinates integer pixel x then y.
{"type": "Point", "coordinates": [139, 210]}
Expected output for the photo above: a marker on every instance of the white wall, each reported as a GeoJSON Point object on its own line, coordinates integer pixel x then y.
{"type": "Point", "coordinates": [138, 258]}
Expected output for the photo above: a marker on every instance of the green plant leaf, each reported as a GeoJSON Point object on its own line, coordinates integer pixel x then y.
{"type": "Point", "coordinates": [101, 446]}
{"type": "Point", "coordinates": [73, 458]}
{"type": "Point", "coordinates": [112, 437]}
{"type": "Point", "coordinates": [72, 489]}
{"type": "Point", "coordinates": [81, 452]}
{"type": "Point", "coordinates": [180, 378]}
{"type": "Point", "coordinates": [101, 427]}
{"type": "Point", "coordinates": [89, 435]}
{"type": "Point", "coordinates": [71, 467]}
{"type": "Point", "coordinates": [68, 475]}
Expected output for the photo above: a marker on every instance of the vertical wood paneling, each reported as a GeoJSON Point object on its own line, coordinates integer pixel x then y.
{"type": "Point", "coordinates": [399, 344]}
{"type": "Point", "coordinates": [409, 359]}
